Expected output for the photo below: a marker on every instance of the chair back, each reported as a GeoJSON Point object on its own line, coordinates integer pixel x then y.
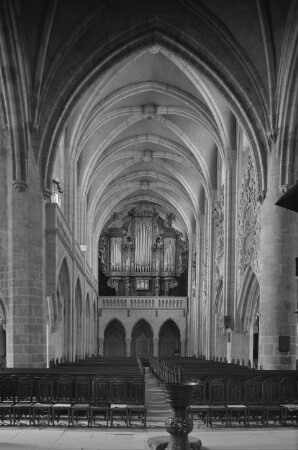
{"type": "Point", "coordinates": [271, 391]}
{"type": "Point", "coordinates": [288, 390]}
{"type": "Point", "coordinates": [253, 392]}
{"type": "Point", "coordinates": [45, 390]}
{"type": "Point", "coordinates": [199, 397]}
{"type": "Point", "coordinates": [100, 391]}
{"type": "Point", "coordinates": [234, 392]}
{"type": "Point", "coordinates": [26, 388]}
{"type": "Point", "coordinates": [64, 389]}
{"type": "Point", "coordinates": [136, 391]}
{"type": "Point", "coordinates": [216, 392]}
{"type": "Point", "coordinates": [118, 390]}
{"type": "Point", "coordinates": [82, 390]}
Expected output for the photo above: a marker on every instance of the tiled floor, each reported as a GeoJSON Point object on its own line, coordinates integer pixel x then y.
{"type": "Point", "coordinates": [16, 438]}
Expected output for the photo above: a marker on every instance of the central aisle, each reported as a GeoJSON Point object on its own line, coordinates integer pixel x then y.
{"type": "Point", "coordinates": [157, 402]}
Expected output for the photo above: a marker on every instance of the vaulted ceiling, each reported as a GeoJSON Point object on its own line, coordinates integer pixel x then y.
{"type": "Point", "coordinates": [145, 98]}
{"type": "Point", "coordinates": [150, 131]}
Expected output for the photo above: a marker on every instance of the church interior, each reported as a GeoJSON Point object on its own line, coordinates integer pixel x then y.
{"type": "Point", "coordinates": [144, 146]}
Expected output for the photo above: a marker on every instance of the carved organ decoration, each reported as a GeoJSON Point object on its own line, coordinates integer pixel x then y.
{"type": "Point", "coordinates": [248, 222]}
{"type": "Point", "coordinates": [142, 252]}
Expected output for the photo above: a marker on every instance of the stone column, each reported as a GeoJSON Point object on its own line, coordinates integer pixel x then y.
{"type": "Point", "coordinates": [26, 296]}
{"type": "Point", "coordinates": [128, 346]}
{"type": "Point", "coordinates": [182, 347]}
{"type": "Point", "coordinates": [101, 346]}
{"type": "Point", "coordinates": [278, 286]}
{"type": "Point", "coordinates": [155, 347]}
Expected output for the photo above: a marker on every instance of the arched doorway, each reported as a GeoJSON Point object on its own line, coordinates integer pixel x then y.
{"type": "Point", "coordinates": [114, 339]}
{"type": "Point", "coordinates": [2, 336]}
{"type": "Point", "coordinates": [169, 340]}
{"type": "Point", "coordinates": [256, 342]}
{"type": "Point", "coordinates": [64, 334]}
{"type": "Point", "coordinates": [142, 339]}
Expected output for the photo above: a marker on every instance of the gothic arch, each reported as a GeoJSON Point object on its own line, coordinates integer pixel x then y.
{"type": "Point", "coordinates": [65, 299]}
{"type": "Point", "coordinates": [114, 339]}
{"type": "Point", "coordinates": [2, 330]}
{"type": "Point", "coordinates": [169, 340]}
{"type": "Point", "coordinates": [248, 300]}
{"type": "Point", "coordinates": [142, 339]}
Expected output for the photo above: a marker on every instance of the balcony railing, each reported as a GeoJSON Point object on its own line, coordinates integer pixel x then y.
{"type": "Point", "coordinates": [143, 302]}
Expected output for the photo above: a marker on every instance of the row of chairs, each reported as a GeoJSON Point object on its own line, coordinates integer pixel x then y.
{"type": "Point", "coordinates": [250, 401]}
{"type": "Point", "coordinates": [73, 399]}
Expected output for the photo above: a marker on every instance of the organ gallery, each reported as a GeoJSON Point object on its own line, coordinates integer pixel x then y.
{"type": "Point", "coordinates": [144, 254]}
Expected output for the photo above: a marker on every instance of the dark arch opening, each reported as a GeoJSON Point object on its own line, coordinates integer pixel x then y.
{"type": "Point", "coordinates": [64, 297]}
{"type": "Point", "coordinates": [114, 339]}
{"type": "Point", "coordinates": [142, 339]}
{"type": "Point", "coordinates": [169, 340]}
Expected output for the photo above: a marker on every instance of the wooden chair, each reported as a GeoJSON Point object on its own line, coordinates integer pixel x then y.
{"type": "Point", "coordinates": [255, 409]}
{"type": "Point", "coordinates": [288, 390]}
{"type": "Point", "coordinates": [237, 411]}
{"type": "Point", "coordinates": [118, 397]}
{"type": "Point", "coordinates": [272, 400]}
{"type": "Point", "coordinates": [22, 408]}
{"type": "Point", "coordinates": [199, 407]}
{"type": "Point", "coordinates": [63, 399]}
{"type": "Point", "coordinates": [81, 408]}
{"type": "Point", "coordinates": [45, 394]}
{"type": "Point", "coordinates": [100, 405]}
{"type": "Point", "coordinates": [216, 399]}
{"type": "Point", "coordinates": [8, 391]}
{"type": "Point", "coordinates": [136, 391]}
{"type": "Point", "coordinates": [135, 399]}
{"type": "Point", "coordinates": [138, 411]}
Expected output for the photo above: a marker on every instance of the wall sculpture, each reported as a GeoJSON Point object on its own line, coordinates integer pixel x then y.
{"type": "Point", "coordinates": [248, 239]}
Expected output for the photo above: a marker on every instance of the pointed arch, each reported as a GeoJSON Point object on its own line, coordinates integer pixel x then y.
{"type": "Point", "coordinates": [63, 285]}
{"type": "Point", "coordinates": [114, 339]}
{"type": "Point", "coordinates": [142, 339]}
{"type": "Point", "coordinates": [2, 332]}
{"type": "Point", "coordinates": [249, 300]}
{"type": "Point", "coordinates": [169, 340]}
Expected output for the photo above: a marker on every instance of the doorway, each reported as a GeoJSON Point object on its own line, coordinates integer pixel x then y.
{"type": "Point", "coordinates": [169, 340]}
{"type": "Point", "coordinates": [114, 339]}
{"type": "Point", "coordinates": [142, 339]}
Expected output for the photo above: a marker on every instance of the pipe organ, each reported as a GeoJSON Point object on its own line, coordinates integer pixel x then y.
{"type": "Point", "coordinates": [142, 253]}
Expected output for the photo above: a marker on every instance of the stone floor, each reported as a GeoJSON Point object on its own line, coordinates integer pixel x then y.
{"type": "Point", "coordinates": [16, 438]}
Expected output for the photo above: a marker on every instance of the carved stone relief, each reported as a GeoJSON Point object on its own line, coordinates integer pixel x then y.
{"type": "Point", "coordinates": [218, 216]}
{"type": "Point", "coordinates": [248, 232]}
{"type": "Point", "coordinates": [205, 274]}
